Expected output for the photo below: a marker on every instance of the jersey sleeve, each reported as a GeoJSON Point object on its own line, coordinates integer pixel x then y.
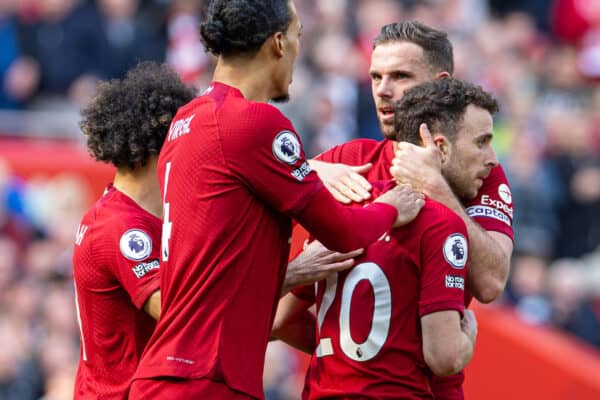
{"type": "Point", "coordinates": [492, 209]}
{"type": "Point", "coordinates": [444, 254]}
{"type": "Point", "coordinates": [267, 154]}
{"type": "Point", "coordinates": [136, 263]}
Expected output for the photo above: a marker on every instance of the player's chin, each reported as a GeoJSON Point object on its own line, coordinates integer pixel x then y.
{"type": "Point", "coordinates": [471, 193]}
{"type": "Point", "coordinates": [387, 130]}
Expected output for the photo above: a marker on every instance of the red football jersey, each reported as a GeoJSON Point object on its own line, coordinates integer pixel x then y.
{"type": "Point", "coordinates": [232, 173]}
{"type": "Point", "coordinates": [492, 209]}
{"type": "Point", "coordinates": [368, 317]}
{"type": "Point", "coordinates": [115, 267]}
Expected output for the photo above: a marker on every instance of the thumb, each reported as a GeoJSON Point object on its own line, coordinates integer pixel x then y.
{"type": "Point", "coordinates": [360, 169]}
{"type": "Point", "coordinates": [426, 136]}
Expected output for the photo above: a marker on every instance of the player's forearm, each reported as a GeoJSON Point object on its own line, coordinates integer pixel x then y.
{"type": "Point", "coordinates": [342, 228]}
{"type": "Point", "coordinates": [488, 262]}
{"type": "Point", "coordinates": [446, 347]}
{"type": "Point", "coordinates": [465, 353]}
{"type": "Point", "coordinates": [298, 333]}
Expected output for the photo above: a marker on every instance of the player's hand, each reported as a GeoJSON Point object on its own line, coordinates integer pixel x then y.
{"type": "Point", "coordinates": [468, 325]}
{"type": "Point", "coordinates": [419, 166]}
{"type": "Point", "coordinates": [316, 262]}
{"type": "Point", "coordinates": [344, 182]}
{"type": "Point", "coordinates": [407, 201]}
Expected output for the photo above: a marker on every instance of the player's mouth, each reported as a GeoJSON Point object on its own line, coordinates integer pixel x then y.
{"type": "Point", "coordinates": [386, 113]}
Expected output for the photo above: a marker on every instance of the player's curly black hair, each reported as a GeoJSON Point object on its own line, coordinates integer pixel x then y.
{"type": "Point", "coordinates": [441, 104]}
{"type": "Point", "coordinates": [129, 118]}
{"type": "Point", "coordinates": [241, 26]}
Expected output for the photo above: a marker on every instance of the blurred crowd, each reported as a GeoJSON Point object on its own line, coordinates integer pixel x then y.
{"type": "Point", "coordinates": [541, 58]}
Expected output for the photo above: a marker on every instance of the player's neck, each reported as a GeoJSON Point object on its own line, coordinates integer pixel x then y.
{"type": "Point", "coordinates": [250, 76]}
{"type": "Point", "coordinates": [141, 185]}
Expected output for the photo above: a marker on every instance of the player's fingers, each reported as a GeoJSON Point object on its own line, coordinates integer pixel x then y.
{"type": "Point", "coordinates": [350, 189]}
{"type": "Point", "coordinates": [335, 257]}
{"type": "Point", "coordinates": [402, 158]}
{"type": "Point", "coordinates": [426, 137]}
{"type": "Point", "coordinates": [362, 185]}
{"type": "Point", "coordinates": [401, 174]}
{"type": "Point", "coordinates": [420, 203]}
{"type": "Point", "coordinates": [353, 189]}
{"type": "Point", "coordinates": [339, 196]}
{"type": "Point", "coordinates": [404, 147]}
{"type": "Point", "coordinates": [339, 266]}
{"type": "Point", "coordinates": [361, 169]}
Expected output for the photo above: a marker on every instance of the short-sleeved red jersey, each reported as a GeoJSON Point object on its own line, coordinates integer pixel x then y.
{"type": "Point", "coordinates": [232, 173]}
{"type": "Point", "coordinates": [115, 268]}
{"type": "Point", "coordinates": [368, 317]}
{"type": "Point", "coordinates": [492, 209]}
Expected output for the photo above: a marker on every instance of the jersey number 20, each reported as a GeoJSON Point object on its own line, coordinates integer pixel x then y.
{"type": "Point", "coordinates": [382, 312]}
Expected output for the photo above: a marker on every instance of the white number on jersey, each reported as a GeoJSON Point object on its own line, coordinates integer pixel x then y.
{"type": "Point", "coordinates": [382, 312]}
{"type": "Point", "coordinates": [167, 225]}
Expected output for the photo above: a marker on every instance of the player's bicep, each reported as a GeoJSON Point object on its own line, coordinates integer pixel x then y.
{"type": "Point", "coordinates": [504, 241]}
{"type": "Point", "coordinates": [444, 256]}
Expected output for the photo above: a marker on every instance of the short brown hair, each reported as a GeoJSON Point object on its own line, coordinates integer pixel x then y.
{"type": "Point", "coordinates": [435, 44]}
{"type": "Point", "coordinates": [441, 104]}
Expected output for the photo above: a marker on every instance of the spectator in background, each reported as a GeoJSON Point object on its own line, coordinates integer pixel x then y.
{"type": "Point", "coordinates": [577, 165]}
{"type": "Point", "coordinates": [185, 52]}
{"type": "Point", "coordinates": [65, 41]}
{"type": "Point", "coordinates": [572, 308]}
{"type": "Point", "coordinates": [20, 377]}
{"type": "Point", "coordinates": [526, 290]}
{"type": "Point", "coordinates": [536, 190]}
{"type": "Point", "coordinates": [17, 75]}
{"type": "Point", "coordinates": [129, 36]}
{"type": "Point", "coordinates": [14, 221]}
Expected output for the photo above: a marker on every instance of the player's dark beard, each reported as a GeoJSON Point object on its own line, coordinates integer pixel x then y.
{"type": "Point", "coordinates": [387, 131]}
{"type": "Point", "coordinates": [281, 99]}
{"type": "Point", "coordinates": [459, 187]}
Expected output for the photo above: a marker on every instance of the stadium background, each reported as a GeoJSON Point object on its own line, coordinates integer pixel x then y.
{"type": "Point", "coordinates": [541, 58]}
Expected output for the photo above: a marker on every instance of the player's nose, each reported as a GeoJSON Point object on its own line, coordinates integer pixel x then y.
{"type": "Point", "coordinates": [384, 88]}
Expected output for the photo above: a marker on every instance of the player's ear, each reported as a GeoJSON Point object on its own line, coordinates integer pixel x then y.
{"type": "Point", "coordinates": [443, 145]}
{"type": "Point", "coordinates": [278, 44]}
